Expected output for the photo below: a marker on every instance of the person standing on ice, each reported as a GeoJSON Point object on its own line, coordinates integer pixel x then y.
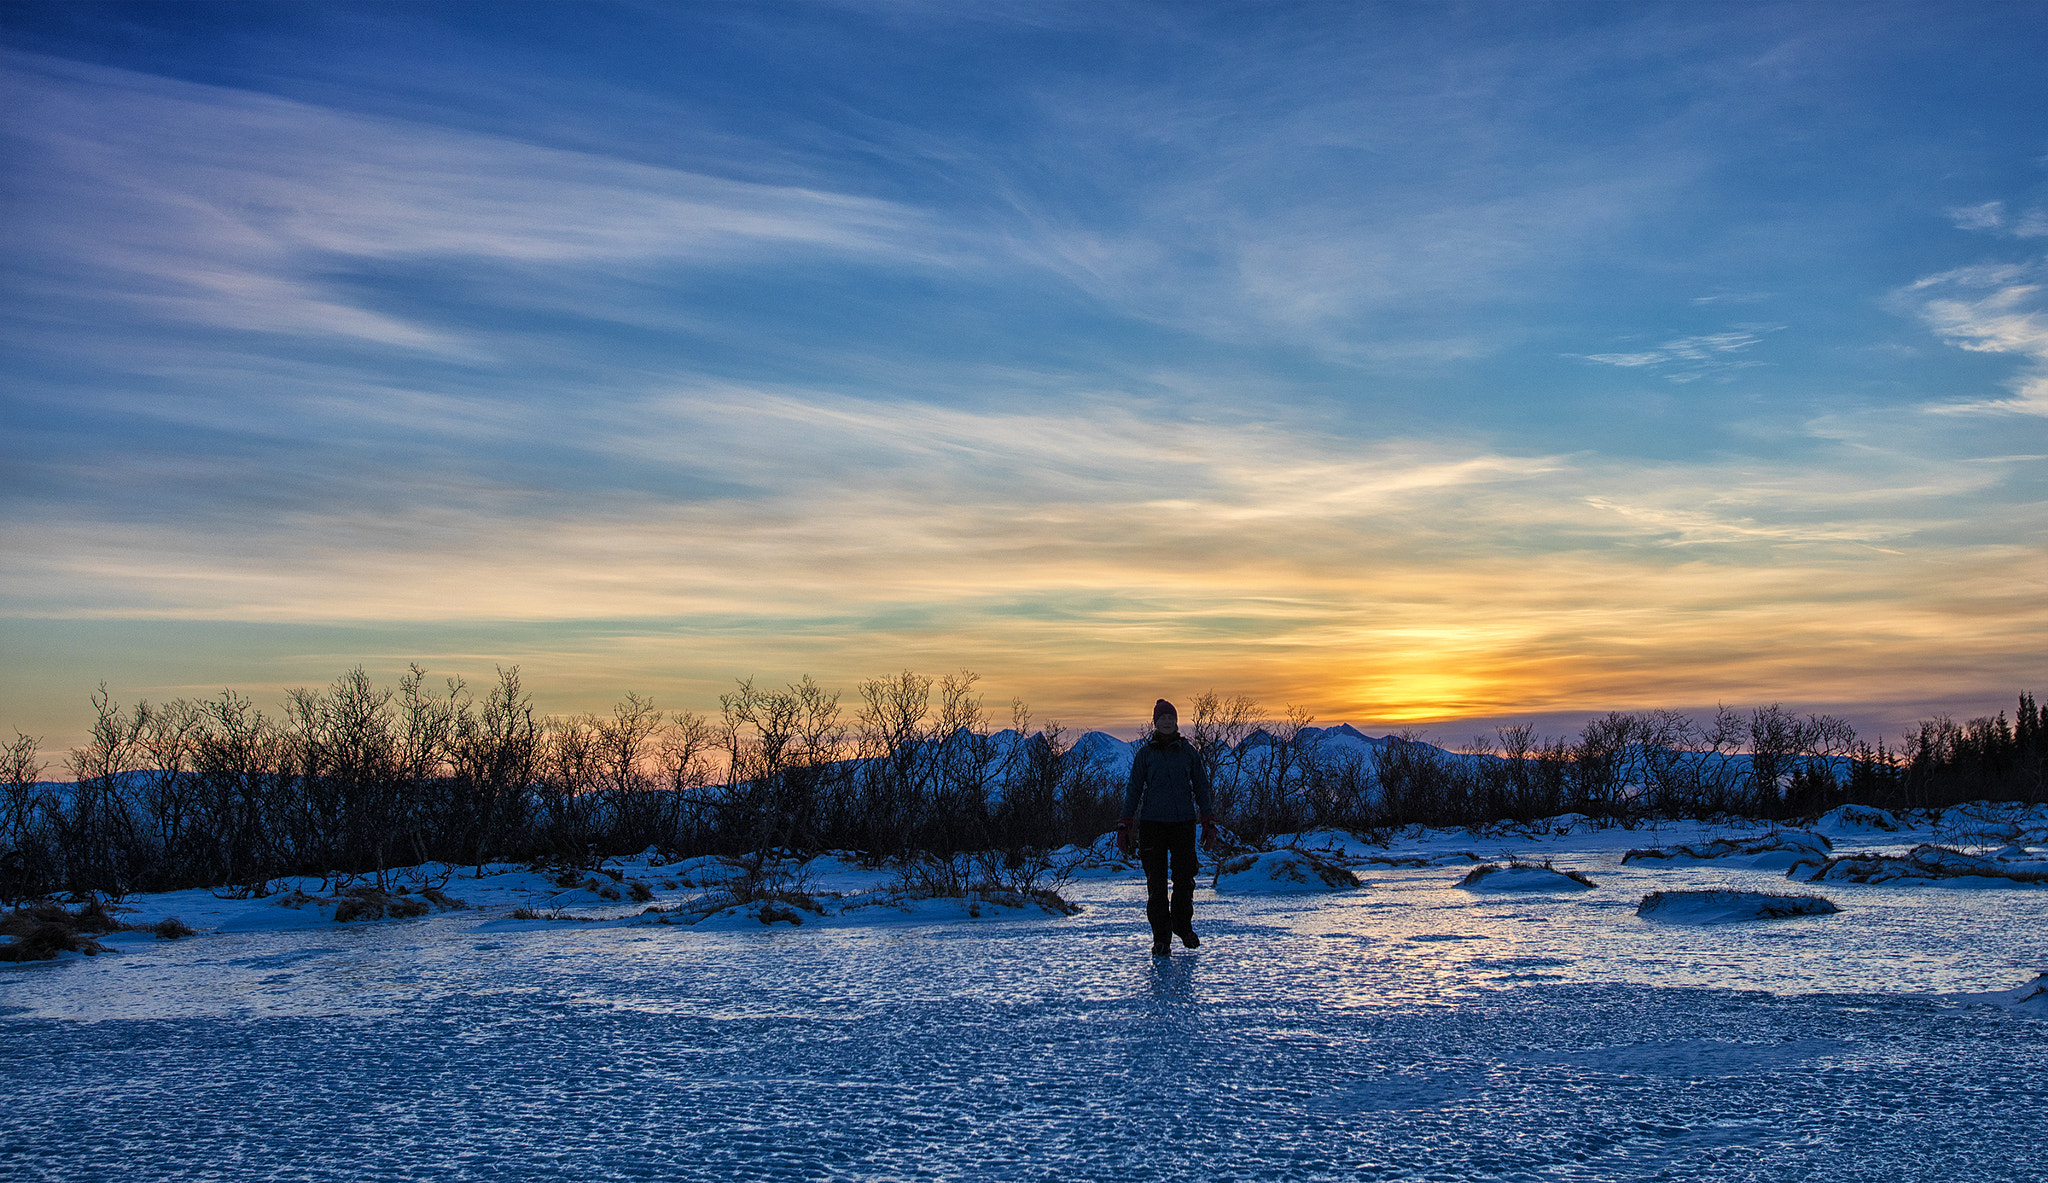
{"type": "Point", "coordinates": [1168, 795]}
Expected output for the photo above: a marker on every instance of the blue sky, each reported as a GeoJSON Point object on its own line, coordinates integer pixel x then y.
{"type": "Point", "coordinates": [1422, 364]}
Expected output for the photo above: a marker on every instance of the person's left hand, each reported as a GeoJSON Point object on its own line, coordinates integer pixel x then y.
{"type": "Point", "coordinates": [1208, 833]}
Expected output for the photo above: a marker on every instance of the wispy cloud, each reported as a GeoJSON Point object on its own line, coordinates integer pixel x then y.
{"type": "Point", "coordinates": [1989, 215]}
{"type": "Point", "coordinates": [232, 210]}
{"type": "Point", "coordinates": [1991, 308]}
{"type": "Point", "coordinates": [1258, 552]}
{"type": "Point", "coordinates": [1350, 207]}
{"type": "Point", "coordinates": [1688, 359]}
{"type": "Point", "coordinates": [1992, 216]}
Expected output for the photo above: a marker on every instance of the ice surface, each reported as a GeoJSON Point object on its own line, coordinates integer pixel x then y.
{"type": "Point", "coordinates": [1412, 1030]}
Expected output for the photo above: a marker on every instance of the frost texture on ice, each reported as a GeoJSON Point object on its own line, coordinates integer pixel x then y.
{"type": "Point", "coordinates": [1413, 1031]}
{"type": "Point", "coordinates": [1698, 1058]}
{"type": "Point", "coordinates": [1729, 907]}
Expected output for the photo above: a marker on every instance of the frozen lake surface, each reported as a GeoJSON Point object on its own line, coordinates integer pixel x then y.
{"type": "Point", "coordinates": [1407, 1030]}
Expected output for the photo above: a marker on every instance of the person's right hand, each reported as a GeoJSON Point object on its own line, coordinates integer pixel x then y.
{"type": "Point", "coordinates": [1126, 839]}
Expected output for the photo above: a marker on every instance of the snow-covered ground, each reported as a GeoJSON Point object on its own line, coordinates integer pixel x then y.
{"type": "Point", "coordinates": [1405, 1028]}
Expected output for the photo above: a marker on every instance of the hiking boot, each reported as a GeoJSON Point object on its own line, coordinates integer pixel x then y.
{"type": "Point", "coordinates": [1162, 946]}
{"type": "Point", "coordinates": [1188, 937]}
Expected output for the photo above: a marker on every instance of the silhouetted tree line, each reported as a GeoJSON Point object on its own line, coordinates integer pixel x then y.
{"type": "Point", "coordinates": [1766, 763]}
{"type": "Point", "coordinates": [356, 779]}
{"type": "Point", "coordinates": [360, 780]}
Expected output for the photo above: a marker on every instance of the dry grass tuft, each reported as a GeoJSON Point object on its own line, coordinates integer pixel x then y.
{"type": "Point", "coordinates": [43, 930]}
{"type": "Point", "coordinates": [368, 903]}
{"type": "Point", "coordinates": [1477, 874]}
{"type": "Point", "coordinates": [442, 900]}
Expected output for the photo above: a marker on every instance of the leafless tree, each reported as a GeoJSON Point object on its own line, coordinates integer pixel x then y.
{"type": "Point", "coordinates": [26, 857]}
{"type": "Point", "coordinates": [96, 827]}
{"type": "Point", "coordinates": [244, 787]}
{"type": "Point", "coordinates": [780, 747]}
{"type": "Point", "coordinates": [1217, 727]}
{"type": "Point", "coordinates": [1270, 771]}
{"type": "Point", "coordinates": [496, 756]}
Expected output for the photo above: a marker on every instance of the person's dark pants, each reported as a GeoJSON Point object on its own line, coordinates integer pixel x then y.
{"type": "Point", "coordinates": [1168, 849]}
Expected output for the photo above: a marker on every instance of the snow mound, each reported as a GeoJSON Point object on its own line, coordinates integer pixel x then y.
{"type": "Point", "coordinates": [1927, 863]}
{"type": "Point", "coordinates": [1728, 907]}
{"type": "Point", "coordinates": [1276, 871]}
{"type": "Point", "coordinates": [1770, 852]}
{"type": "Point", "coordinates": [838, 871]}
{"type": "Point", "coordinates": [987, 900]}
{"type": "Point", "coordinates": [1857, 819]}
{"type": "Point", "coordinates": [1987, 823]}
{"type": "Point", "coordinates": [1523, 877]}
{"type": "Point", "coordinates": [364, 903]}
{"type": "Point", "coordinates": [792, 910]}
{"type": "Point", "coordinates": [706, 870]}
{"type": "Point", "coordinates": [1326, 843]}
{"type": "Point", "coordinates": [1565, 823]}
{"type": "Point", "coordinates": [2030, 999]}
{"type": "Point", "coordinates": [1101, 858]}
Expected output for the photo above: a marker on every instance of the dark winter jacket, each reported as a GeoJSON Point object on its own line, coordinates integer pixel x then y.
{"type": "Point", "coordinates": [1168, 783]}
